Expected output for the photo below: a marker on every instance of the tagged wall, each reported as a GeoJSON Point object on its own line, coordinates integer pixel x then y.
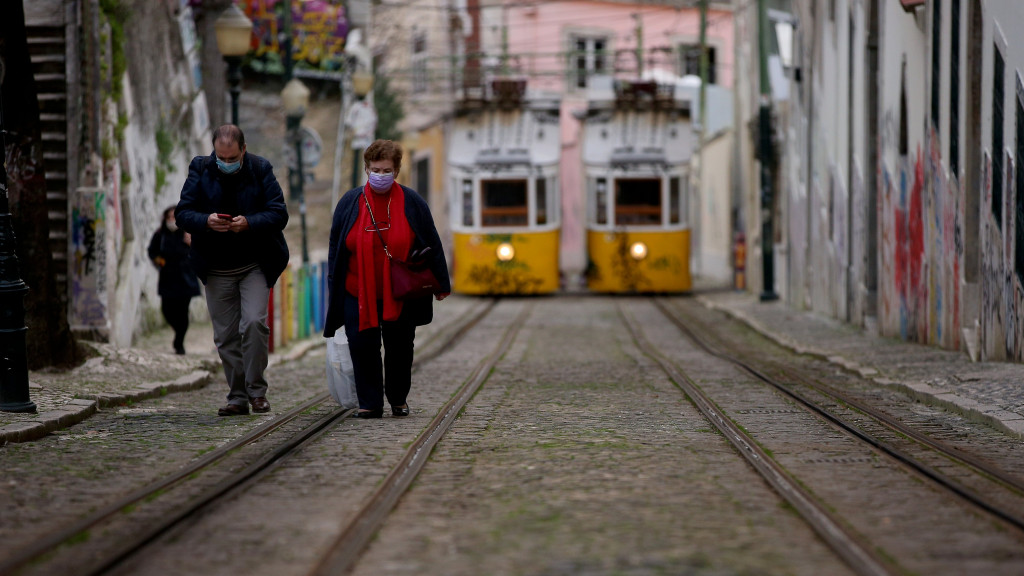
{"type": "Point", "coordinates": [150, 130]}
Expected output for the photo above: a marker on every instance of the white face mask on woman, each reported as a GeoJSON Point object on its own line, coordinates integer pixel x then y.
{"type": "Point", "coordinates": [171, 224]}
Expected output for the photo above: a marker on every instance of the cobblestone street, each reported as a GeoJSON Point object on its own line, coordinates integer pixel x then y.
{"type": "Point", "coordinates": [578, 455]}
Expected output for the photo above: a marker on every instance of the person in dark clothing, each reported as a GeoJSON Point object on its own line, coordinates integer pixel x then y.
{"type": "Point", "coordinates": [365, 218]}
{"type": "Point", "coordinates": [168, 249]}
{"type": "Point", "coordinates": [234, 208]}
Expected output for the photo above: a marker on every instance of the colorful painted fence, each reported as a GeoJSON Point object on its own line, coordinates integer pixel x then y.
{"type": "Point", "coordinates": [298, 304]}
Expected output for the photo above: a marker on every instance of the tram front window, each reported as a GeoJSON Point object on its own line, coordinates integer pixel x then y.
{"type": "Point", "coordinates": [504, 203]}
{"type": "Point", "coordinates": [638, 202]}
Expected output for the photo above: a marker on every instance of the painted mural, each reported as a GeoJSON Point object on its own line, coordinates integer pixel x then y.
{"type": "Point", "coordinates": [89, 291]}
{"type": "Point", "coordinates": [319, 30]}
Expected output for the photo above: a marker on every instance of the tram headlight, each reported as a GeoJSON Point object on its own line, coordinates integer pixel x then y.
{"type": "Point", "coordinates": [505, 252]}
{"type": "Point", "coordinates": [638, 250]}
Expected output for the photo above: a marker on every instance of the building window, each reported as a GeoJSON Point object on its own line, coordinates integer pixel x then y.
{"type": "Point", "coordinates": [998, 71]}
{"type": "Point", "coordinates": [638, 202]}
{"type": "Point", "coordinates": [1018, 229]}
{"type": "Point", "coordinates": [421, 172]}
{"type": "Point", "coordinates": [689, 61]}
{"type": "Point", "coordinates": [601, 201]}
{"type": "Point", "coordinates": [503, 203]}
{"type": "Point", "coordinates": [589, 56]}
{"type": "Point", "coordinates": [419, 63]}
{"type": "Point", "coordinates": [954, 90]}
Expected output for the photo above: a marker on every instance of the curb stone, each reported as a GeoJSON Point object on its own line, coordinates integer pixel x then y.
{"type": "Point", "coordinates": [80, 408]}
{"type": "Point", "coordinates": [993, 416]}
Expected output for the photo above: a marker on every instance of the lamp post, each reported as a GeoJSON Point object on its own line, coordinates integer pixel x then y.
{"type": "Point", "coordinates": [14, 395]}
{"type": "Point", "coordinates": [234, 34]}
{"type": "Point", "coordinates": [362, 85]}
{"type": "Point", "coordinates": [295, 99]}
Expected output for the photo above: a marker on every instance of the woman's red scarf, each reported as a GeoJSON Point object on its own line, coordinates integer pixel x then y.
{"type": "Point", "coordinates": [400, 238]}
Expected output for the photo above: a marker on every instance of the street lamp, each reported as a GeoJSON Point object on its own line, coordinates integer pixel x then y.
{"type": "Point", "coordinates": [234, 35]}
{"type": "Point", "coordinates": [362, 85]}
{"type": "Point", "coordinates": [295, 98]}
{"type": "Point", "coordinates": [14, 395]}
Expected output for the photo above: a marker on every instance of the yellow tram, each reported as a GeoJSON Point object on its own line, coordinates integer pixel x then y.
{"type": "Point", "coordinates": [636, 149]}
{"type": "Point", "coordinates": [505, 205]}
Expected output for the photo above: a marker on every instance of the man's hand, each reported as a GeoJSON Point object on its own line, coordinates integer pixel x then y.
{"type": "Point", "coordinates": [236, 224]}
{"type": "Point", "coordinates": [442, 296]}
{"type": "Point", "coordinates": [239, 224]}
{"type": "Point", "coordinates": [218, 224]}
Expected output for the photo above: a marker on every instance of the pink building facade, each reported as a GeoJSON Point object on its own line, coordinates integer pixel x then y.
{"type": "Point", "coordinates": [559, 47]}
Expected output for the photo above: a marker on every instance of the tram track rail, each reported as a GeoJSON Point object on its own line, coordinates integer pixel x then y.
{"type": "Point", "coordinates": [980, 467]}
{"type": "Point", "coordinates": [226, 486]}
{"type": "Point", "coordinates": [849, 546]}
{"type": "Point", "coordinates": [360, 529]}
{"type": "Point", "coordinates": [918, 452]}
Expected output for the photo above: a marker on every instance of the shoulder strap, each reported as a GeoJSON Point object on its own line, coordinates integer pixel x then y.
{"type": "Point", "coordinates": [372, 219]}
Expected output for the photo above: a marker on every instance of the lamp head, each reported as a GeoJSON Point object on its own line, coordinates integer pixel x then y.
{"type": "Point", "coordinates": [234, 32]}
{"type": "Point", "coordinates": [295, 97]}
{"type": "Point", "coordinates": [362, 83]}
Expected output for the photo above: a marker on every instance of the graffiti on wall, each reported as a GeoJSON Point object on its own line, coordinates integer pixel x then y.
{"type": "Point", "coordinates": [991, 321]}
{"type": "Point", "coordinates": [89, 299]}
{"type": "Point", "coordinates": [319, 30]}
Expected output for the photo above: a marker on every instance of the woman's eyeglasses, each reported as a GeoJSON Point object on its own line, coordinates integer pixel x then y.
{"type": "Point", "coordinates": [383, 226]}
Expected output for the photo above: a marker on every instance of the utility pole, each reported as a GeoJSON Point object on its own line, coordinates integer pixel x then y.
{"type": "Point", "coordinates": [766, 156]}
{"type": "Point", "coordinates": [639, 45]}
{"type": "Point", "coordinates": [504, 39]}
{"type": "Point", "coordinates": [695, 219]}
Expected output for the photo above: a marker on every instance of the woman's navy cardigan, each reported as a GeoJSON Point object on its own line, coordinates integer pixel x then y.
{"type": "Point", "coordinates": [419, 310]}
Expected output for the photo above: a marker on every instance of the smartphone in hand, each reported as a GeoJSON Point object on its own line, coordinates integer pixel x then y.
{"type": "Point", "coordinates": [225, 216]}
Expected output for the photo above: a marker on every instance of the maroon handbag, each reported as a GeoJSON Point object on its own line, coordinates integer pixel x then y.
{"type": "Point", "coordinates": [412, 279]}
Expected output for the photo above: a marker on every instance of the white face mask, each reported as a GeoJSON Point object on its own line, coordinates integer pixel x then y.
{"type": "Point", "coordinates": [171, 225]}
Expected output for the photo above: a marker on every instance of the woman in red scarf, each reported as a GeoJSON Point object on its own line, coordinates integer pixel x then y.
{"type": "Point", "coordinates": [365, 219]}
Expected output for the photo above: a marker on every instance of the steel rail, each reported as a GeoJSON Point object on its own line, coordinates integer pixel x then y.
{"type": "Point", "coordinates": [224, 487]}
{"type": "Point", "coordinates": [51, 542]}
{"type": "Point", "coordinates": [348, 546]}
{"type": "Point", "coordinates": [978, 465]}
{"type": "Point", "coordinates": [858, 555]}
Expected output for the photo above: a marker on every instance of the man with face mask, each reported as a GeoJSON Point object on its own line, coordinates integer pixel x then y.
{"type": "Point", "coordinates": [234, 208]}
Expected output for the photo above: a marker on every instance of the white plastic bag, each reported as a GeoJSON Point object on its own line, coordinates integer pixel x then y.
{"type": "Point", "coordinates": [341, 381]}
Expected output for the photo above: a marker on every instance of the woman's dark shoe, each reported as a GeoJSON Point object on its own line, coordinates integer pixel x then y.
{"type": "Point", "coordinates": [400, 411]}
{"type": "Point", "coordinates": [378, 413]}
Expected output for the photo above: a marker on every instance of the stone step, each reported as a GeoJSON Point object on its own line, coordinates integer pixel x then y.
{"type": "Point", "coordinates": [48, 64]}
{"type": "Point", "coordinates": [51, 83]}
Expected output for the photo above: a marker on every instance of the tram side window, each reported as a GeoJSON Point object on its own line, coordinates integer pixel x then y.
{"type": "Point", "coordinates": [542, 201]}
{"type": "Point", "coordinates": [504, 203]}
{"type": "Point", "coordinates": [467, 202]}
{"type": "Point", "coordinates": [673, 200]}
{"type": "Point", "coordinates": [638, 202]}
{"type": "Point", "coordinates": [601, 203]}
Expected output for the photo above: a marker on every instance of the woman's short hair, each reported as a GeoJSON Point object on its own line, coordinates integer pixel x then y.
{"type": "Point", "coordinates": [384, 150]}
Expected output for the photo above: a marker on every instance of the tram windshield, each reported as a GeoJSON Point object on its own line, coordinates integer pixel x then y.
{"type": "Point", "coordinates": [638, 202]}
{"type": "Point", "coordinates": [504, 203]}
